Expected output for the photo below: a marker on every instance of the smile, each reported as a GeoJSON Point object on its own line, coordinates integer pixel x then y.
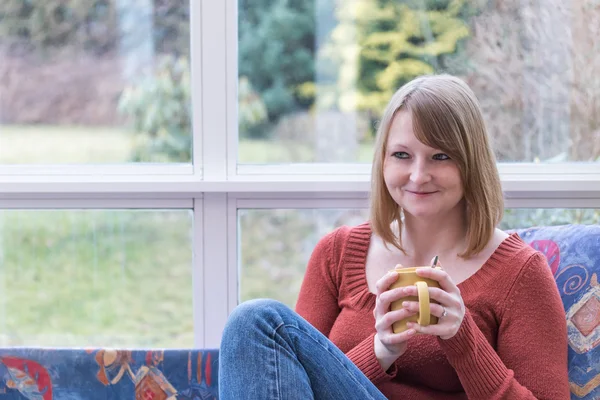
{"type": "Point", "coordinates": [421, 194]}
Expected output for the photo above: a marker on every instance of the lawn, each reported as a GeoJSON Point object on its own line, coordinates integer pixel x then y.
{"type": "Point", "coordinates": [96, 277]}
{"type": "Point", "coordinates": [77, 145]}
{"type": "Point", "coordinates": [54, 144]}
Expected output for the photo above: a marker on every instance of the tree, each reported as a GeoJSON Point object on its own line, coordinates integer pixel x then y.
{"type": "Point", "coordinates": [91, 26]}
{"type": "Point", "coordinates": [381, 44]}
{"type": "Point", "coordinates": [276, 52]}
{"type": "Point", "coordinates": [533, 66]}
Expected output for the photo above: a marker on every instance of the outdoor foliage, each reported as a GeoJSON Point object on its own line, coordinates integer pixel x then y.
{"type": "Point", "coordinates": [67, 61]}
{"type": "Point", "coordinates": [354, 61]}
{"type": "Point", "coordinates": [251, 109]}
{"type": "Point", "coordinates": [44, 27]}
{"type": "Point", "coordinates": [534, 70]}
{"type": "Point", "coordinates": [523, 218]}
{"type": "Point", "coordinates": [393, 42]}
{"type": "Point", "coordinates": [277, 68]}
{"type": "Point", "coordinates": [160, 110]}
{"type": "Point", "coordinates": [159, 107]}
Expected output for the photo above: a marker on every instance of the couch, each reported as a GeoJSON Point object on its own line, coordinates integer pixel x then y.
{"type": "Point", "coordinates": [573, 254]}
{"type": "Point", "coordinates": [108, 374]}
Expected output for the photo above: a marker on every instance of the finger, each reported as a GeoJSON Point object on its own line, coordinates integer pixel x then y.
{"type": "Point", "coordinates": [389, 318]}
{"type": "Point", "coordinates": [443, 330]}
{"type": "Point", "coordinates": [385, 299]}
{"type": "Point", "coordinates": [444, 298]}
{"type": "Point", "coordinates": [436, 294]}
{"type": "Point", "coordinates": [399, 338]}
{"type": "Point", "coordinates": [438, 310]}
{"type": "Point", "coordinates": [434, 309]}
{"type": "Point", "coordinates": [385, 282]}
{"type": "Point", "coordinates": [394, 294]}
{"type": "Point", "coordinates": [439, 275]}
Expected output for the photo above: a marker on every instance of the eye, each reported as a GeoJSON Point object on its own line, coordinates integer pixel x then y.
{"type": "Point", "coordinates": [402, 155]}
{"type": "Point", "coordinates": [441, 157]}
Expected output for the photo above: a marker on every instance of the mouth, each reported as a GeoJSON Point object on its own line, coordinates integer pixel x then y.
{"type": "Point", "coordinates": [421, 194]}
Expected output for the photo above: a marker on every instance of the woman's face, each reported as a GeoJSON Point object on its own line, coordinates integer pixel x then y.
{"type": "Point", "coordinates": [422, 180]}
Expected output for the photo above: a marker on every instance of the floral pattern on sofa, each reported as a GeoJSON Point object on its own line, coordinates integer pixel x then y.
{"type": "Point", "coordinates": [573, 254]}
{"type": "Point", "coordinates": [79, 374]}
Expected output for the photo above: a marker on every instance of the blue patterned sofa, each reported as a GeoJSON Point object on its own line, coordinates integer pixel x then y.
{"type": "Point", "coordinates": [573, 253]}
{"type": "Point", "coordinates": [107, 374]}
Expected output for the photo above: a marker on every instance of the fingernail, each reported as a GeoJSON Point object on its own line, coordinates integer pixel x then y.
{"type": "Point", "coordinates": [405, 304]}
{"type": "Point", "coordinates": [411, 332]}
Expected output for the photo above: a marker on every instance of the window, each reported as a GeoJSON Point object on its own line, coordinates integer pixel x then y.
{"type": "Point", "coordinates": [96, 278]}
{"type": "Point", "coordinates": [315, 76]}
{"type": "Point", "coordinates": [243, 165]}
{"type": "Point", "coordinates": [95, 82]}
{"type": "Point", "coordinates": [275, 245]}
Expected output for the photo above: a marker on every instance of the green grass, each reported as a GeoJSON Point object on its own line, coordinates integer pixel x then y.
{"type": "Point", "coordinates": [63, 145]}
{"type": "Point", "coordinates": [96, 277]}
{"type": "Point", "coordinates": [265, 151]}
{"type": "Point", "coordinates": [80, 145]}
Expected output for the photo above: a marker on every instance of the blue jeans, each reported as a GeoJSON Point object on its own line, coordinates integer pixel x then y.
{"type": "Point", "coordinates": [270, 352]}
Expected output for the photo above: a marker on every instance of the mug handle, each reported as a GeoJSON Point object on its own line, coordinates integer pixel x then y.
{"type": "Point", "coordinates": [424, 311]}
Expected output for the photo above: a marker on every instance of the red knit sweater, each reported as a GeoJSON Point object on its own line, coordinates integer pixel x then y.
{"type": "Point", "coordinates": [512, 343]}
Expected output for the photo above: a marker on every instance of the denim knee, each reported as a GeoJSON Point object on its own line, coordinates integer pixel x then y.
{"type": "Point", "coordinates": [254, 313]}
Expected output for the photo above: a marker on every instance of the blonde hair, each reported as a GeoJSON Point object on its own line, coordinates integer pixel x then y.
{"type": "Point", "coordinates": [446, 116]}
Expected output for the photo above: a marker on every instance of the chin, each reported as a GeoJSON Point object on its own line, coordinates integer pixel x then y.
{"type": "Point", "coordinates": [420, 212]}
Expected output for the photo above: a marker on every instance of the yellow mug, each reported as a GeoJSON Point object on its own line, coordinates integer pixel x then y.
{"type": "Point", "coordinates": [409, 277]}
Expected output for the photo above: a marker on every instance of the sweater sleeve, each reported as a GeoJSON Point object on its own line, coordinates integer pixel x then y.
{"type": "Point", "coordinates": [530, 361]}
{"type": "Point", "coordinates": [363, 356]}
{"type": "Point", "coordinates": [318, 298]}
{"type": "Point", "coordinates": [318, 304]}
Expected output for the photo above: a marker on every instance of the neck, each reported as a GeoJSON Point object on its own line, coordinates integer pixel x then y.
{"type": "Point", "coordinates": [423, 239]}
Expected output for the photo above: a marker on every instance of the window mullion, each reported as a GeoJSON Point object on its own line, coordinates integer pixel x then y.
{"type": "Point", "coordinates": [215, 231]}
{"type": "Point", "coordinates": [214, 86]}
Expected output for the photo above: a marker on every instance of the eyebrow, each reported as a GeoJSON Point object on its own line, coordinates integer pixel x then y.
{"type": "Point", "coordinates": [397, 146]}
{"type": "Point", "coordinates": [400, 146]}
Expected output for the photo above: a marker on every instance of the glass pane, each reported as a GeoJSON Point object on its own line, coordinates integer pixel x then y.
{"type": "Point", "coordinates": [275, 245]}
{"type": "Point", "coordinates": [93, 278]}
{"type": "Point", "coordinates": [516, 218]}
{"type": "Point", "coordinates": [100, 81]}
{"type": "Point", "coordinates": [315, 75]}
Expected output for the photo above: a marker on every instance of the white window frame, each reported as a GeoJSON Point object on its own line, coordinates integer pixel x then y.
{"type": "Point", "coordinates": [215, 187]}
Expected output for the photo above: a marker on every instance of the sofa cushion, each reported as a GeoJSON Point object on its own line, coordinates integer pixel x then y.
{"type": "Point", "coordinates": [78, 374]}
{"type": "Point", "coordinates": [573, 254]}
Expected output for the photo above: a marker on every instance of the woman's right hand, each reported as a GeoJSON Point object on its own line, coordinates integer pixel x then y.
{"type": "Point", "coordinates": [389, 345]}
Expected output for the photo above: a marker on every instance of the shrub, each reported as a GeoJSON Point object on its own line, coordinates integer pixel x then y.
{"type": "Point", "coordinates": [159, 107]}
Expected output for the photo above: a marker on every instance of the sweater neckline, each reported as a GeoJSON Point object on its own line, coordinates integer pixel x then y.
{"type": "Point", "coordinates": [355, 258]}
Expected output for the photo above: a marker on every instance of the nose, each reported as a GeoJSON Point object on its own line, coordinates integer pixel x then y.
{"type": "Point", "coordinates": [419, 173]}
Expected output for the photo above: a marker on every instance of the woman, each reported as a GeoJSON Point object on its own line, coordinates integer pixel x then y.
{"type": "Point", "coordinates": [435, 191]}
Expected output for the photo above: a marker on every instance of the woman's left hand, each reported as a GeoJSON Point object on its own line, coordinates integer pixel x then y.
{"type": "Point", "coordinates": [450, 310]}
